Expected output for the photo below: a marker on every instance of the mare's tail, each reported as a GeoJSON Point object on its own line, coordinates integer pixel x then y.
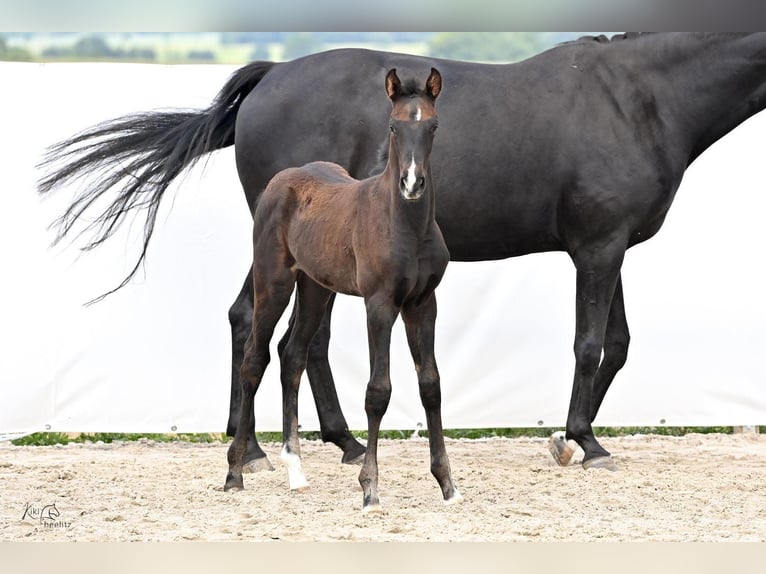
{"type": "Point", "coordinates": [138, 156]}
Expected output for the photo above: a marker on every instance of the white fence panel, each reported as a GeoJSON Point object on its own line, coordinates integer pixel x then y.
{"type": "Point", "coordinates": [155, 357]}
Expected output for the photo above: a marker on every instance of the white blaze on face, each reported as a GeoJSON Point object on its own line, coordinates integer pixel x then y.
{"type": "Point", "coordinates": [410, 181]}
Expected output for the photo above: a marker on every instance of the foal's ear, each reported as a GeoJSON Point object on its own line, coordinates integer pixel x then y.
{"type": "Point", "coordinates": [434, 83]}
{"type": "Point", "coordinates": [393, 84]}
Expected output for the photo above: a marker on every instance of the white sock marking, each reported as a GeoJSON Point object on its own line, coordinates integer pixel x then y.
{"type": "Point", "coordinates": [295, 474]}
{"type": "Point", "coordinates": [456, 498]}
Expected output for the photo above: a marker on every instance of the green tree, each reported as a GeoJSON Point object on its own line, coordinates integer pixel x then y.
{"type": "Point", "coordinates": [260, 52]}
{"type": "Point", "coordinates": [92, 47]}
{"type": "Point", "coordinates": [13, 54]}
{"type": "Point", "coordinates": [487, 46]}
{"type": "Point", "coordinates": [300, 44]}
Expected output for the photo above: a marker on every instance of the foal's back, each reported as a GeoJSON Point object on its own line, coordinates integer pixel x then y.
{"type": "Point", "coordinates": [312, 212]}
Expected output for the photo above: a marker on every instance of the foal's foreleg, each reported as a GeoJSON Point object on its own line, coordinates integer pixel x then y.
{"type": "Point", "coordinates": [381, 315]}
{"type": "Point", "coordinates": [419, 322]}
{"type": "Point", "coordinates": [309, 309]}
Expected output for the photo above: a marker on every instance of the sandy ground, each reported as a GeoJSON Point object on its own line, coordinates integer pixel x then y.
{"type": "Point", "coordinates": [692, 488]}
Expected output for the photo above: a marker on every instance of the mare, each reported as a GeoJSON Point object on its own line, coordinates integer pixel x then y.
{"type": "Point", "coordinates": [319, 228]}
{"type": "Point", "coordinates": [578, 149]}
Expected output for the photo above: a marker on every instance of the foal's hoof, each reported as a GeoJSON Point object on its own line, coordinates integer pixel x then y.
{"type": "Point", "coordinates": [561, 449]}
{"type": "Point", "coordinates": [600, 462]}
{"type": "Point", "coordinates": [257, 465]}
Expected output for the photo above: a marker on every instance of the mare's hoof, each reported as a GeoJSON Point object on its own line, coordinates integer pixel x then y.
{"type": "Point", "coordinates": [233, 483]}
{"type": "Point", "coordinates": [456, 498]}
{"type": "Point", "coordinates": [373, 509]}
{"type": "Point", "coordinates": [257, 465]}
{"type": "Point", "coordinates": [561, 449]}
{"type": "Point", "coordinates": [353, 455]}
{"type": "Point", "coordinates": [600, 462]}
{"type": "Point", "coordinates": [357, 460]}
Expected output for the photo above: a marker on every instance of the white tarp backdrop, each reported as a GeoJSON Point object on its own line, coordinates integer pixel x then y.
{"type": "Point", "coordinates": [155, 357]}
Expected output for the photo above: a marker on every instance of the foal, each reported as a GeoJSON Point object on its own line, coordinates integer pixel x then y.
{"type": "Point", "coordinates": [377, 238]}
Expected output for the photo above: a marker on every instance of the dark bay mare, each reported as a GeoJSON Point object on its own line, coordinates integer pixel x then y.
{"type": "Point", "coordinates": [317, 227]}
{"type": "Point", "coordinates": [578, 149]}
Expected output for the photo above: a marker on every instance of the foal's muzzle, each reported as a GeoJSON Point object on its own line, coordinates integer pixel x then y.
{"type": "Point", "coordinates": [411, 187]}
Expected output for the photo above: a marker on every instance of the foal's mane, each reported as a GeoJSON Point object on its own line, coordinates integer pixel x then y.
{"type": "Point", "coordinates": [410, 87]}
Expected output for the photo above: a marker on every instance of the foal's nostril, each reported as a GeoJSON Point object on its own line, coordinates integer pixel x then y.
{"type": "Point", "coordinates": [403, 183]}
{"type": "Point", "coordinates": [421, 183]}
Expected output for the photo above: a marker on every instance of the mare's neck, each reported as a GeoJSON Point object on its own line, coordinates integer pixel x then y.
{"type": "Point", "coordinates": [713, 82]}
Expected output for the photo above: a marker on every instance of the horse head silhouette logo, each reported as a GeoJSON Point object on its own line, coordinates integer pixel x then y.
{"type": "Point", "coordinates": [49, 512]}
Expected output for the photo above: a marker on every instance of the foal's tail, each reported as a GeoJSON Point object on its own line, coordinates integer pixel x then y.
{"type": "Point", "coordinates": [138, 156]}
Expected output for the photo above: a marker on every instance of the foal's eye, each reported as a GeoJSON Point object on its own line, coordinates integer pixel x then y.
{"type": "Point", "coordinates": [392, 128]}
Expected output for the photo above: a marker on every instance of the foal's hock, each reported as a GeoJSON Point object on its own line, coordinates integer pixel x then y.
{"type": "Point", "coordinates": [377, 238]}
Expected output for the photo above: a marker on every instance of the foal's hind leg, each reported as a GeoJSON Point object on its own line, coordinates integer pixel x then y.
{"type": "Point", "coordinates": [332, 423]}
{"type": "Point", "coordinates": [272, 296]}
{"type": "Point", "coordinates": [310, 306]}
{"type": "Point", "coordinates": [240, 319]}
{"type": "Point", "coordinates": [616, 341]}
{"type": "Point", "coordinates": [419, 322]}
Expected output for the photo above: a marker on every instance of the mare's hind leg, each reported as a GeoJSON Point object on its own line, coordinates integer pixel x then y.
{"type": "Point", "coordinates": [419, 323]}
{"type": "Point", "coordinates": [309, 309]}
{"type": "Point", "coordinates": [332, 423]}
{"type": "Point", "coordinates": [273, 294]}
{"type": "Point", "coordinates": [240, 319]}
{"type": "Point", "coordinates": [616, 341]}
{"type": "Point", "coordinates": [598, 270]}
{"type": "Point", "coordinates": [381, 315]}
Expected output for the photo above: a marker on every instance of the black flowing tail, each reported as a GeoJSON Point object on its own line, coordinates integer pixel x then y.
{"type": "Point", "coordinates": [138, 156]}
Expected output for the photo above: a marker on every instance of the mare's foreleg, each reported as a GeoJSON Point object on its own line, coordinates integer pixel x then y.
{"type": "Point", "coordinates": [598, 271]}
{"type": "Point", "coordinates": [616, 342]}
{"type": "Point", "coordinates": [419, 322]}
{"type": "Point", "coordinates": [273, 290]}
{"type": "Point", "coordinates": [308, 312]}
{"type": "Point", "coordinates": [381, 314]}
{"type": "Point", "coordinates": [241, 319]}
